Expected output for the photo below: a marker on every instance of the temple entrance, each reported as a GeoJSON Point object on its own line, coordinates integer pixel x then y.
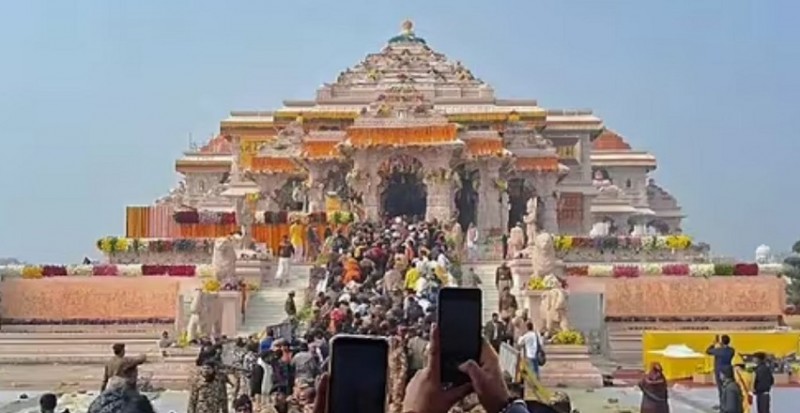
{"type": "Point", "coordinates": [519, 192]}
{"type": "Point", "coordinates": [404, 192]}
{"type": "Point", "coordinates": [466, 198]}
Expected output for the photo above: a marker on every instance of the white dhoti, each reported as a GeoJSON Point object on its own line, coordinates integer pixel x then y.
{"type": "Point", "coordinates": [298, 252]}
{"type": "Point", "coordinates": [284, 266]}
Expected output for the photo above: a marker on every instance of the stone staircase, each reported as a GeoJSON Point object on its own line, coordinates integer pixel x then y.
{"type": "Point", "coordinates": [56, 359]}
{"type": "Point", "coordinates": [491, 297]}
{"type": "Point", "coordinates": [265, 307]}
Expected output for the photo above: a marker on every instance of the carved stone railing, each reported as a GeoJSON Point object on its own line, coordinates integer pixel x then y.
{"type": "Point", "coordinates": [633, 255]}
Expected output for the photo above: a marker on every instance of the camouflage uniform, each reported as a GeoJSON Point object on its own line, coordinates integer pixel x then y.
{"type": "Point", "coordinates": [204, 396]}
{"type": "Point", "coordinates": [397, 373]}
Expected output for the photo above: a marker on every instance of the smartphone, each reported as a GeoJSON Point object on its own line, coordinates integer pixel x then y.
{"type": "Point", "coordinates": [459, 312]}
{"type": "Point", "coordinates": [359, 374]}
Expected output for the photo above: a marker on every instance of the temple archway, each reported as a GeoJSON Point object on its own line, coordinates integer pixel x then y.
{"type": "Point", "coordinates": [403, 190]}
{"type": "Point", "coordinates": [519, 192]}
{"type": "Point", "coordinates": [466, 197]}
{"type": "Point", "coordinates": [291, 196]}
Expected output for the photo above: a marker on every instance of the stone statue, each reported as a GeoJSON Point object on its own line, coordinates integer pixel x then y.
{"type": "Point", "coordinates": [516, 242]}
{"type": "Point", "coordinates": [554, 306]}
{"type": "Point", "coordinates": [194, 328]}
{"type": "Point", "coordinates": [224, 257]}
{"type": "Point", "coordinates": [600, 229]}
{"type": "Point", "coordinates": [530, 219]}
{"type": "Point", "coordinates": [543, 255]}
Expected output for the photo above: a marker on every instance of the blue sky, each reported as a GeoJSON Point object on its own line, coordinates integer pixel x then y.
{"type": "Point", "coordinates": [97, 98]}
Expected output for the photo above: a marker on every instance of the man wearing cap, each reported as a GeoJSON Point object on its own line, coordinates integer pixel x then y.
{"type": "Point", "coordinates": [122, 366]}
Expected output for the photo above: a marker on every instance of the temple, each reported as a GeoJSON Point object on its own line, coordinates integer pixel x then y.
{"type": "Point", "coordinates": [409, 131]}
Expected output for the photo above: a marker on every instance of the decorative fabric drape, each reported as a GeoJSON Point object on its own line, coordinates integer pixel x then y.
{"type": "Point", "coordinates": [137, 221]}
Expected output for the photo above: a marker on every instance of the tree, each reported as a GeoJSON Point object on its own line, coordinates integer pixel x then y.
{"type": "Point", "coordinates": [792, 270]}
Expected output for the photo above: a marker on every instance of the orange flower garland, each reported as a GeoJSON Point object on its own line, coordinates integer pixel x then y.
{"type": "Point", "coordinates": [365, 137]}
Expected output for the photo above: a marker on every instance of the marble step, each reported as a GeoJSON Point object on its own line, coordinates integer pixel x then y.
{"type": "Point", "coordinates": [88, 336]}
{"type": "Point", "coordinates": [83, 358]}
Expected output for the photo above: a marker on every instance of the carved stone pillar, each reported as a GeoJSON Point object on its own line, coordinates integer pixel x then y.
{"type": "Point", "coordinates": [440, 206]}
{"type": "Point", "coordinates": [439, 184]}
{"type": "Point", "coordinates": [372, 207]}
{"type": "Point", "coordinates": [545, 187]}
{"type": "Point", "coordinates": [316, 187]}
{"type": "Point", "coordinates": [491, 210]}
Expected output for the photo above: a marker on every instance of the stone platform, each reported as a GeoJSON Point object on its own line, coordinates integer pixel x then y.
{"type": "Point", "coordinates": [75, 360]}
{"type": "Point", "coordinates": [570, 365]}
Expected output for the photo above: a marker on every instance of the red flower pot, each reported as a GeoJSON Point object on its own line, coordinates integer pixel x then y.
{"type": "Point", "coordinates": [745, 269]}
{"type": "Point", "coordinates": [675, 269]}
{"type": "Point", "coordinates": [625, 271]}
{"type": "Point", "coordinates": [578, 270]}
{"type": "Point", "coordinates": [181, 270]}
{"type": "Point", "coordinates": [154, 270]}
{"type": "Point", "coordinates": [105, 270]}
{"type": "Point", "coordinates": [54, 271]}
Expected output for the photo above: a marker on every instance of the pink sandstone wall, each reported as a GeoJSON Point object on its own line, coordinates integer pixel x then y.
{"type": "Point", "coordinates": [761, 296]}
{"type": "Point", "coordinates": [97, 298]}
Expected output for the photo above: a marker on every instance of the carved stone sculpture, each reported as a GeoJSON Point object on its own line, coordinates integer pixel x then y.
{"type": "Point", "coordinates": [530, 220]}
{"type": "Point", "coordinates": [224, 258]}
{"type": "Point", "coordinates": [194, 328]}
{"type": "Point", "coordinates": [543, 255]}
{"type": "Point", "coordinates": [554, 306]}
{"type": "Point", "coordinates": [516, 242]}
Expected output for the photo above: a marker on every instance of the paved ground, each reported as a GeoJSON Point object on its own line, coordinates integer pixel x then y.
{"type": "Point", "coordinates": [610, 400]}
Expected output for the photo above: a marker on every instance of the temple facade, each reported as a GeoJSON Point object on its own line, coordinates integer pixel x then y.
{"type": "Point", "coordinates": [409, 131]}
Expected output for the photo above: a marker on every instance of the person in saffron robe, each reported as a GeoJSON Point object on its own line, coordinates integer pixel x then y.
{"type": "Point", "coordinates": [412, 276]}
{"type": "Point", "coordinates": [655, 397]}
{"type": "Point", "coordinates": [296, 233]}
{"type": "Point", "coordinates": [745, 381]}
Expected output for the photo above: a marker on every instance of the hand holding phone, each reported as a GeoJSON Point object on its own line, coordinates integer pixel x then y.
{"type": "Point", "coordinates": [358, 374]}
{"type": "Point", "coordinates": [459, 313]}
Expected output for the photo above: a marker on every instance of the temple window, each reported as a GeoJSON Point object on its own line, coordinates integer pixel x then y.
{"type": "Point", "coordinates": [628, 183]}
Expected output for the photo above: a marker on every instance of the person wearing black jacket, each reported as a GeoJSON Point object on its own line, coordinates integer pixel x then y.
{"type": "Point", "coordinates": [763, 383]}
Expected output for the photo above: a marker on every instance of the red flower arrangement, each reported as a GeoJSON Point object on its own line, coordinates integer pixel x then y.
{"type": "Point", "coordinates": [628, 271]}
{"type": "Point", "coordinates": [180, 270]}
{"type": "Point", "coordinates": [578, 270]}
{"type": "Point", "coordinates": [105, 270]}
{"type": "Point", "coordinates": [155, 269]}
{"type": "Point", "coordinates": [186, 217]}
{"type": "Point", "coordinates": [675, 269]}
{"type": "Point", "coordinates": [228, 218]}
{"type": "Point", "coordinates": [54, 271]}
{"type": "Point", "coordinates": [745, 269]}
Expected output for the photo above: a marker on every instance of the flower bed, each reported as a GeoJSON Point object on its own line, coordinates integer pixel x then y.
{"type": "Point", "coordinates": [204, 217]}
{"type": "Point", "coordinates": [670, 269]}
{"type": "Point", "coordinates": [106, 270]}
{"type": "Point", "coordinates": [645, 243]}
{"type": "Point", "coordinates": [110, 245]}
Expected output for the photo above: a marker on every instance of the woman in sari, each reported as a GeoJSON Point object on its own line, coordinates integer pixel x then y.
{"type": "Point", "coordinates": [655, 397]}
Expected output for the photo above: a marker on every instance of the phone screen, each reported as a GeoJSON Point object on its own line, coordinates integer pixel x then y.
{"type": "Point", "coordinates": [358, 374]}
{"type": "Point", "coordinates": [459, 319]}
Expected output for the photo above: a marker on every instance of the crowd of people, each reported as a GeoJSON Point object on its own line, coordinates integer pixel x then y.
{"type": "Point", "coordinates": [371, 279]}
{"type": "Point", "coordinates": [383, 279]}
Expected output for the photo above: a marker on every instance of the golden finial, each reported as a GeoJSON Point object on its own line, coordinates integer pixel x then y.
{"type": "Point", "coordinates": [407, 26]}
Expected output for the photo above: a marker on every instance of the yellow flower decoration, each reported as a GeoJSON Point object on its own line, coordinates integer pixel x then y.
{"type": "Point", "coordinates": [537, 284]}
{"type": "Point", "coordinates": [32, 272]}
{"type": "Point", "coordinates": [211, 285]}
{"type": "Point", "coordinates": [121, 245]}
{"type": "Point", "coordinates": [678, 242]}
{"type": "Point", "coordinates": [107, 245]}
{"type": "Point", "coordinates": [569, 338]}
{"type": "Point", "coordinates": [564, 242]}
